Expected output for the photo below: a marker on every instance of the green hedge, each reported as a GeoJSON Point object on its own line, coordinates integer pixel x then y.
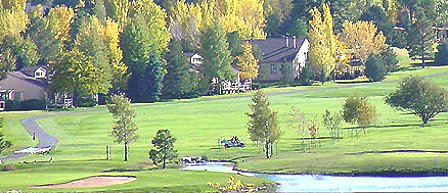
{"type": "Point", "coordinates": [32, 104]}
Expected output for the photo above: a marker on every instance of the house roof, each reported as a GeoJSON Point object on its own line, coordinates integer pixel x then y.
{"type": "Point", "coordinates": [26, 78]}
{"type": "Point", "coordinates": [29, 71]}
{"type": "Point", "coordinates": [275, 49]}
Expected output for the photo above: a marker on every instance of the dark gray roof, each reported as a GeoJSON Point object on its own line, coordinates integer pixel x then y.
{"type": "Point", "coordinates": [23, 77]}
{"type": "Point", "coordinates": [275, 50]}
{"type": "Point", "coordinates": [189, 54]}
{"type": "Point", "coordinates": [29, 71]}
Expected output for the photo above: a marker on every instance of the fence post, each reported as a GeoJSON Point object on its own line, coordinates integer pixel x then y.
{"type": "Point", "coordinates": [107, 152]}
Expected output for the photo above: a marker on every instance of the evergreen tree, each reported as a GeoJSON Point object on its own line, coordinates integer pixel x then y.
{"type": "Point", "coordinates": [377, 15]}
{"type": "Point", "coordinates": [235, 44]}
{"type": "Point", "coordinates": [390, 59]}
{"type": "Point", "coordinates": [263, 126]}
{"type": "Point", "coordinates": [177, 82]}
{"type": "Point", "coordinates": [4, 144]}
{"type": "Point", "coordinates": [164, 151]}
{"type": "Point", "coordinates": [442, 54]}
{"type": "Point", "coordinates": [376, 69]}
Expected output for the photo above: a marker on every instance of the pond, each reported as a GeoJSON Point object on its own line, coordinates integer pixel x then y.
{"type": "Point", "coordinates": [325, 183]}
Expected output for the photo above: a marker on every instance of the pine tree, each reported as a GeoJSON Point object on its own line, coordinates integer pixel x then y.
{"type": "Point", "coordinates": [177, 82]}
{"type": "Point", "coordinates": [442, 54]}
{"type": "Point", "coordinates": [164, 151]}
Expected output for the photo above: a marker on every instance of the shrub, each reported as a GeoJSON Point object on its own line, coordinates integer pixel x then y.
{"type": "Point", "coordinates": [32, 104]}
{"type": "Point", "coordinates": [9, 167]}
{"type": "Point", "coordinates": [442, 55]}
{"type": "Point", "coordinates": [306, 77]}
{"type": "Point", "coordinates": [358, 110]}
{"type": "Point", "coordinates": [375, 68]}
{"type": "Point", "coordinates": [390, 59]}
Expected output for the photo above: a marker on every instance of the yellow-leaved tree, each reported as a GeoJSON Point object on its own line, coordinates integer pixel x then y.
{"type": "Point", "coordinates": [362, 39]}
{"type": "Point", "coordinates": [111, 35]}
{"type": "Point", "coordinates": [247, 63]}
{"type": "Point", "coordinates": [322, 52]}
{"type": "Point", "coordinates": [16, 5]}
{"type": "Point", "coordinates": [117, 10]}
{"type": "Point", "coordinates": [12, 23]}
{"type": "Point", "coordinates": [59, 20]}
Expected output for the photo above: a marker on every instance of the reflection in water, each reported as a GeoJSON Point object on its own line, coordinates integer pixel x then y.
{"type": "Point", "coordinates": [322, 183]}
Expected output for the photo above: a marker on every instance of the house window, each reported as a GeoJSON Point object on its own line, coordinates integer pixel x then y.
{"type": "Point", "coordinates": [38, 74]}
{"type": "Point", "coordinates": [197, 60]}
{"type": "Point", "coordinates": [274, 69]}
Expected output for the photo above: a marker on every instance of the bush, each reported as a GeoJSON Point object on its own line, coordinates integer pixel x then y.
{"type": "Point", "coordinates": [306, 77]}
{"type": "Point", "coordinates": [32, 104]}
{"type": "Point", "coordinates": [86, 102]}
{"type": "Point", "coordinates": [442, 55]}
{"type": "Point", "coordinates": [8, 168]}
{"type": "Point", "coordinates": [375, 68]}
{"type": "Point", "coordinates": [358, 110]}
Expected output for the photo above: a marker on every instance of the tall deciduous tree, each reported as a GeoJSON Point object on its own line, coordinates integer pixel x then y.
{"type": "Point", "coordinates": [422, 97]}
{"type": "Point", "coordinates": [124, 130]}
{"type": "Point", "coordinates": [74, 72]}
{"type": "Point", "coordinates": [14, 4]}
{"type": "Point", "coordinates": [90, 41]}
{"type": "Point", "coordinates": [117, 10]}
{"type": "Point", "coordinates": [322, 51]}
{"type": "Point", "coordinates": [215, 50]}
{"type": "Point", "coordinates": [247, 63]}
{"type": "Point", "coordinates": [164, 151]}
{"type": "Point", "coordinates": [143, 41]}
{"type": "Point", "coordinates": [363, 39]}
{"type": "Point", "coordinates": [12, 23]}
{"type": "Point", "coordinates": [263, 126]}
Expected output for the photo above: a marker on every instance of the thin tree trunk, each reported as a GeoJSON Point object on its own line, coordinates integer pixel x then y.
{"type": "Point", "coordinates": [126, 151]}
{"type": "Point", "coordinates": [164, 161]}
{"type": "Point", "coordinates": [267, 149]}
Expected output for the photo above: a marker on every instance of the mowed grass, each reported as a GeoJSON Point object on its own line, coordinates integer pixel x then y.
{"type": "Point", "coordinates": [199, 123]}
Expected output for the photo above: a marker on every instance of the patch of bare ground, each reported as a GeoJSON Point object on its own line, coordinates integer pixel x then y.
{"type": "Point", "coordinates": [92, 182]}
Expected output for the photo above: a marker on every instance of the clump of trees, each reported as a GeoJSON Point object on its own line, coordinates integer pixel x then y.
{"type": "Point", "coordinates": [332, 122]}
{"type": "Point", "coordinates": [263, 126]}
{"type": "Point", "coordinates": [420, 96]}
{"type": "Point", "coordinates": [163, 150]}
{"type": "Point", "coordinates": [124, 130]}
{"type": "Point", "coordinates": [358, 110]}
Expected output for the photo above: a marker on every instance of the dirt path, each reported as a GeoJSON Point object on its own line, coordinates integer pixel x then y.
{"type": "Point", "coordinates": [92, 182]}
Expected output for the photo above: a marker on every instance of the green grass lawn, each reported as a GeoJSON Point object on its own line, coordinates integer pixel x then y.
{"type": "Point", "coordinates": [199, 123]}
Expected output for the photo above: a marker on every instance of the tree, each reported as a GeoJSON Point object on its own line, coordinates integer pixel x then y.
{"type": "Point", "coordinates": [125, 130]}
{"type": "Point", "coordinates": [263, 126]}
{"type": "Point", "coordinates": [12, 23]}
{"type": "Point", "coordinates": [215, 50]}
{"type": "Point", "coordinates": [143, 46]}
{"type": "Point", "coordinates": [442, 54]}
{"type": "Point", "coordinates": [90, 41]}
{"type": "Point", "coordinates": [24, 51]}
{"type": "Point", "coordinates": [322, 52]}
{"type": "Point", "coordinates": [377, 15]}
{"type": "Point", "coordinates": [7, 62]}
{"type": "Point", "coordinates": [363, 39]}
{"type": "Point", "coordinates": [389, 58]}
{"type": "Point", "coordinates": [299, 29]}
{"type": "Point", "coordinates": [299, 123]}
{"type": "Point", "coordinates": [306, 77]}
{"type": "Point", "coordinates": [164, 151]}
{"type": "Point", "coordinates": [74, 72]}
{"type": "Point", "coordinates": [358, 110]}
{"type": "Point", "coordinates": [422, 97]}
{"type": "Point", "coordinates": [235, 45]}
{"type": "Point", "coordinates": [4, 144]}
{"type": "Point", "coordinates": [420, 34]}
{"type": "Point", "coordinates": [178, 82]}
{"type": "Point", "coordinates": [117, 10]}
{"type": "Point", "coordinates": [376, 69]}
{"type": "Point", "coordinates": [13, 4]}
{"type": "Point", "coordinates": [246, 63]}
{"type": "Point", "coordinates": [332, 122]}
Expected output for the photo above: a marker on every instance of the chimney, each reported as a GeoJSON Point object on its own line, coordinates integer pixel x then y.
{"type": "Point", "coordinates": [286, 41]}
{"type": "Point", "coordinates": [294, 42]}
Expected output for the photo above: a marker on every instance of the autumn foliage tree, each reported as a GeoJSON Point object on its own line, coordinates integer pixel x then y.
{"type": "Point", "coordinates": [363, 39]}
{"type": "Point", "coordinates": [247, 63]}
{"type": "Point", "coordinates": [322, 52]}
{"type": "Point", "coordinates": [358, 110]}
